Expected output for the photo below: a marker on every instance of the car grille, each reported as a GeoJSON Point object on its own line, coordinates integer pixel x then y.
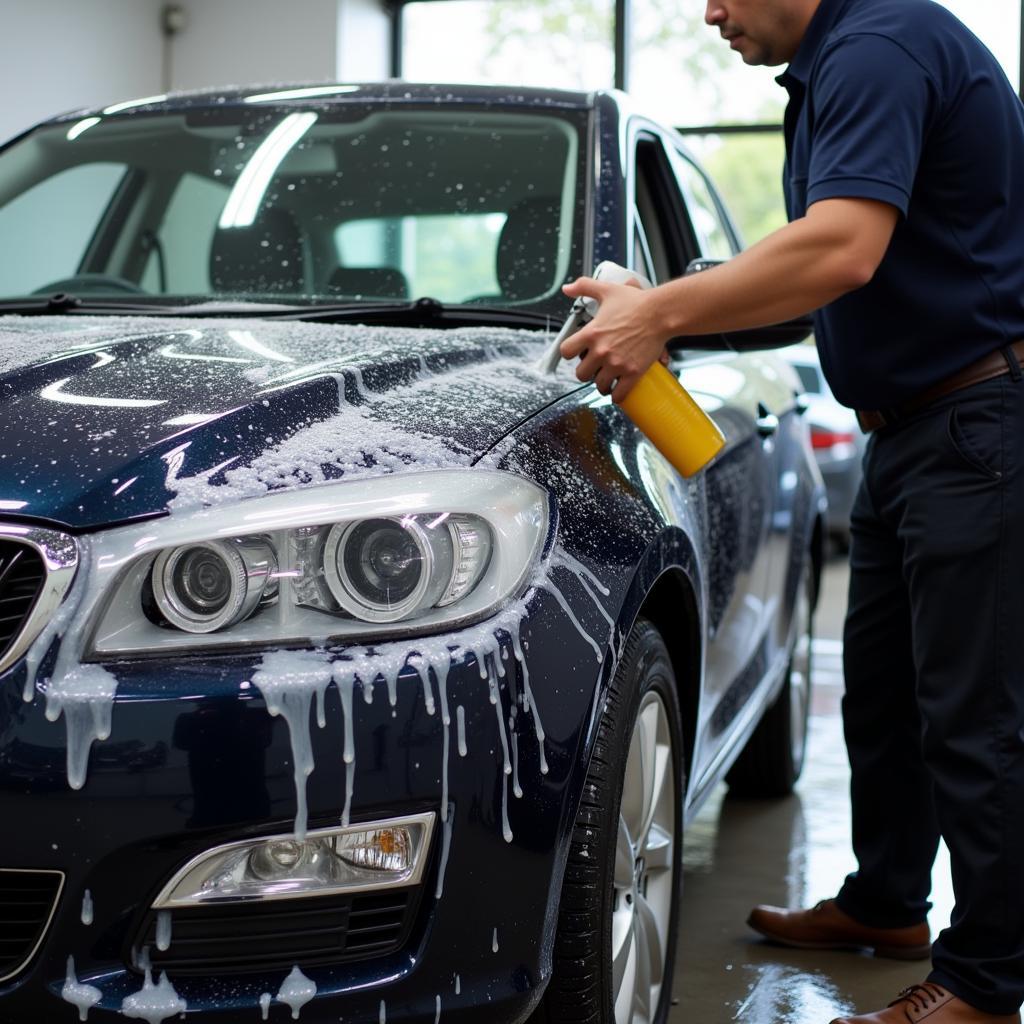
{"type": "Point", "coordinates": [277, 934]}
{"type": "Point", "coordinates": [21, 578]}
{"type": "Point", "coordinates": [27, 902]}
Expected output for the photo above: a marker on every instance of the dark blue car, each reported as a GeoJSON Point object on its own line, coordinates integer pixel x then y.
{"type": "Point", "coordinates": [352, 667]}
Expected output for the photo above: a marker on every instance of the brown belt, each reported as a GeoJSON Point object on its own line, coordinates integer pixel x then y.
{"type": "Point", "coordinates": [995, 364]}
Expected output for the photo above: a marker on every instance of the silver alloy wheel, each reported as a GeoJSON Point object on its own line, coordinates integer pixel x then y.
{"type": "Point", "coordinates": [800, 671]}
{"type": "Point", "coordinates": [644, 859]}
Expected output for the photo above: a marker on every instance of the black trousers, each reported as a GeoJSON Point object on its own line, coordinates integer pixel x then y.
{"type": "Point", "coordinates": [934, 705]}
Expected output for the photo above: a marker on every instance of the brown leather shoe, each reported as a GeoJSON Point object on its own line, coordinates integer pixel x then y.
{"type": "Point", "coordinates": [825, 926]}
{"type": "Point", "coordinates": [931, 1003]}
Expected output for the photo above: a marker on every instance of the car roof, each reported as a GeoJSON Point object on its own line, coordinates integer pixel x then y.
{"type": "Point", "coordinates": [393, 91]}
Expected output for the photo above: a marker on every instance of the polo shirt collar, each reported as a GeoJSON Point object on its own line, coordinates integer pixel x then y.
{"type": "Point", "coordinates": [823, 21]}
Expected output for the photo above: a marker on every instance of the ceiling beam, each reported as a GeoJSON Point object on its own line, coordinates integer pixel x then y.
{"type": "Point", "coordinates": [623, 41]}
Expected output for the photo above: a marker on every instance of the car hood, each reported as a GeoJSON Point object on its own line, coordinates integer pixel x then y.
{"type": "Point", "coordinates": [108, 419]}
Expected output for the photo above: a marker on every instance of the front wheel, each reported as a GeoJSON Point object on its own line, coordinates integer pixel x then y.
{"type": "Point", "coordinates": [616, 935]}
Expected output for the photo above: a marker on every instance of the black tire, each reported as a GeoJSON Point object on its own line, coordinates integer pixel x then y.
{"type": "Point", "coordinates": [581, 990]}
{"type": "Point", "coordinates": [773, 758]}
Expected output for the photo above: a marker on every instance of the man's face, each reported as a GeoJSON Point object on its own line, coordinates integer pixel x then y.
{"type": "Point", "coordinates": [762, 31]}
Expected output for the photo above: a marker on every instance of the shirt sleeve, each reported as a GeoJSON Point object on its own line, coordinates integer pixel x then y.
{"type": "Point", "coordinates": [873, 105]}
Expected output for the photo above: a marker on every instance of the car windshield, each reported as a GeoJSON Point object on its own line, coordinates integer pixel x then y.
{"type": "Point", "coordinates": [277, 204]}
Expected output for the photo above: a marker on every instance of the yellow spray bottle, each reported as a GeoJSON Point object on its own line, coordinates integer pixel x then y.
{"type": "Point", "coordinates": [658, 404]}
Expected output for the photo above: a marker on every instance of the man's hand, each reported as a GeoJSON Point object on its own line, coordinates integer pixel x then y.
{"type": "Point", "coordinates": [621, 342]}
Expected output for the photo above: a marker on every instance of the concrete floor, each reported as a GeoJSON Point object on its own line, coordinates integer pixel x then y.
{"type": "Point", "coordinates": [792, 852]}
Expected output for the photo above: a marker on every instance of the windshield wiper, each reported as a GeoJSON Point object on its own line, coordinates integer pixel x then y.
{"type": "Point", "coordinates": [424, 312]}
{"type": "Point", "coordinates": [63, 303]}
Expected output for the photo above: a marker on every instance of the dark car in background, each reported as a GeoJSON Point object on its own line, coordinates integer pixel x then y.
{"type": "Point", "coordinates": [350, 666]}
{"type": "Point", "coordinates": [836, 439]}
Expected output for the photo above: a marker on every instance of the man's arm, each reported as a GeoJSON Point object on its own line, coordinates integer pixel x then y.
{"type": "Point", "coordinates": [836, 248]}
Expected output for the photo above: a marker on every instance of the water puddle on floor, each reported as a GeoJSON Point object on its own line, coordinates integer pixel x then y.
{"type": "Point", "coordinates": [792, 853]}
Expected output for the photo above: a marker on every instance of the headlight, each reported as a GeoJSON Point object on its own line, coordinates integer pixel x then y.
{"type": "Point", "coordinates": [384, 570]}
{"type": "Point", "coordinates": [202, 587]}
{"type": "Point", "coordinates": [374, 855]}
{"type": "Point", "coordinates": [397, 555]}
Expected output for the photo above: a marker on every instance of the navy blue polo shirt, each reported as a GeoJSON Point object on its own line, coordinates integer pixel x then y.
{"type": "Point", "coordinates": [896, 100]}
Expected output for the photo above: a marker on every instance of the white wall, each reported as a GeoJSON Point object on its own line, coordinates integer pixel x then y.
{"type": "Point", "coordinates": [59, 54]}
{"type": "Point", "coordinates": [238, 42]}
{"type": "Point", "coordinates": [56, 55]}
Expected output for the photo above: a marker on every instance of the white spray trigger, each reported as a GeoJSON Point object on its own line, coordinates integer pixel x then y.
{"type": "Point", "coordinates": [585, 308]}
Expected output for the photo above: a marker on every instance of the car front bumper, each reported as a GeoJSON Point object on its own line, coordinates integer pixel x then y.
{"type": "Point", "coordinates": [195, 761]}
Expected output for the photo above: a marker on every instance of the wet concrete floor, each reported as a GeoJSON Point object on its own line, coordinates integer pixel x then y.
{"type": "Point", "coordinates": [790, 852]}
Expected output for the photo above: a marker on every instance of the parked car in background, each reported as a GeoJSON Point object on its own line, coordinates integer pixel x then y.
{"type": "Point", "coordinates": [347, 661]}
{"type": "Point", "coordinates": [836, 438]}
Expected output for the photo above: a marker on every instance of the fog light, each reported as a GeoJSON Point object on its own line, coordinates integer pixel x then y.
{"type": "Point", "coordinates": [379, 855]}
{"type": "Point", "coordinates": [272, 860]}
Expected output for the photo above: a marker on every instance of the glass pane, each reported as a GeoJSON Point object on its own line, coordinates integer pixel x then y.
{"type": "Point", "coordinates": [186, 236]}
{"type": "Point", "coordinates": [248, 201]}
{"type": "Point", "coordinates": [451, 257]}
{"type": "Point", "coordinates": [997, 24]}
{"type": "Point", "coordinates": [683, 73]}
{"type": "Point", "coordinates": [47, 227]}
{"type": "Point", "coordinates": [747, 172]}
{"type": "Point", "coordinates": [705, 217]}
{"type": "Point", "coordinates": [808, 378]}
{"type": "Point", "coordinates": [555, 44]}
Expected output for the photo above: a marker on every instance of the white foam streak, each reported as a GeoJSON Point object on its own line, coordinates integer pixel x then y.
{"type": "Point", "coordinates": [529, 703]}
{"type": "Point", "coordinates": [288, 681]}
{"type": "Point", "coordinates": [446, 721]}
{"type": "Point", "coordinates": [345, 681]}
{"type": "Point", "coordinates": [153, 1003]}
{"type": "Point", "coordinates": [296, 990]}
{"type": "Point", "coordinates": [163, 930]}
{"type": "Point", "coordinates": [517, 790]}
{"type": "Point", "coordinates": [446, 845]}
{"type": "Point", "coordinates": [78, 994]}
{"type": "Point", "coordinates": [85, 696]}
{"type": "Point", "coordinates": [562, 557]}
{"type": "Point", "coordinates": [460, 722]}
{"type": "Point", "coordinates": [506, 763]}
{"type": "Point", "coordinates": [87, 908]}
{"type": "Point", "coordinates": [552, 588]}
{"type": "Point", "coordinates": [428, 695]}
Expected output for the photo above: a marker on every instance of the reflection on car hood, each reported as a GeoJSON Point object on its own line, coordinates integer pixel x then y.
{"type": "Point", "coordinates": [107, 419]}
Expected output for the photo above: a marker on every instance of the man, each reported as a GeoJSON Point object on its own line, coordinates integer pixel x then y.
{"type": "Point", "coordinates": [905, 189]}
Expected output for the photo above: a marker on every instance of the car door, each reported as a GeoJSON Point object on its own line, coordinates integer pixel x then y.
{"type": "Point", "coordinates": [739, 486]}
{"type": "Point", "coordinates": [779, 413]}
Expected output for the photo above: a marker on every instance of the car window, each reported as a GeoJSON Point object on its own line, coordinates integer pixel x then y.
{"type": "Point", "coordinates": [659, 212]}
{"type": "Point", "coordinates": [179, 262]}
{"type": "Point", "coordinates": [705, 214]}
{"type": "Point", "coordinates": [52, 224]}
{"type": "Point", "coordinates": [452, 257]}
{"type": "Point", "coordinates": [809, 379]}
{"type": "Point", "coordinates": [642, 261]}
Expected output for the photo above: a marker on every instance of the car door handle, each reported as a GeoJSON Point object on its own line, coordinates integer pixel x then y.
{"type": "Point", "coordinates": [767, 423]}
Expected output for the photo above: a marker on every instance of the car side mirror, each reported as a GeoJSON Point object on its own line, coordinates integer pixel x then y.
{"type": "Point", "coordinates": [756, 339]}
